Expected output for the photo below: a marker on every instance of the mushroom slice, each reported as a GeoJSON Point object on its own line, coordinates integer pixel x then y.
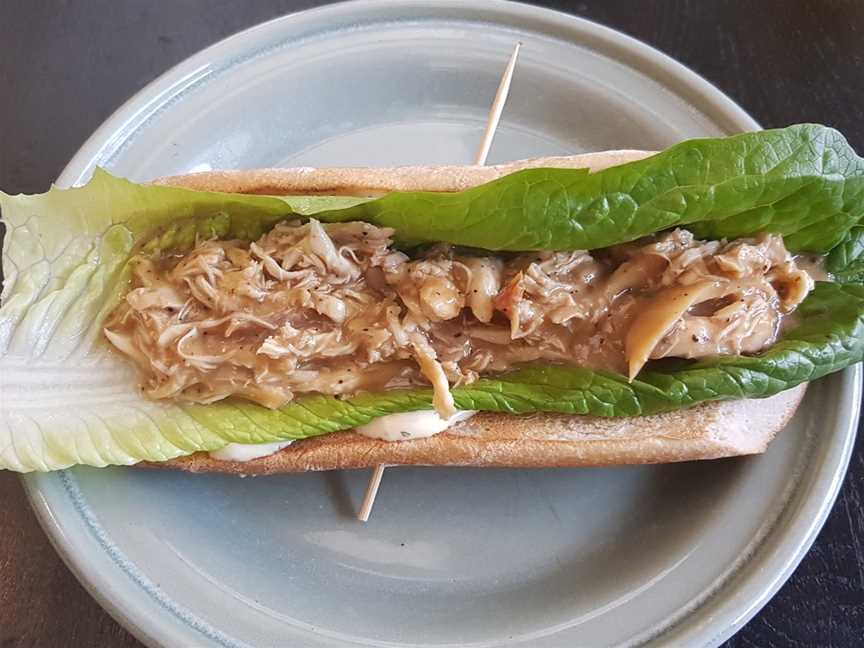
{"type": "Point", "coordinates": [657, 317]}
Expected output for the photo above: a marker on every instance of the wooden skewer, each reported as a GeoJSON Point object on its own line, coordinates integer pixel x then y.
{"type": "Point", "coordinates": [479, 159]}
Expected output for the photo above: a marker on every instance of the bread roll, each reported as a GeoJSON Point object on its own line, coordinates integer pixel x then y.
{"type": "Point", "coordinates": [707, 431]}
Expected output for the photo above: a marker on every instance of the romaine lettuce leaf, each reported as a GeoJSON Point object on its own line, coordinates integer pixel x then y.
{"type": "Point", "coordinates": [99, 420]}
{"type": "Point", "coordinates": [804, 182]}
{"type": "Point", "coordinates": [66, 399]}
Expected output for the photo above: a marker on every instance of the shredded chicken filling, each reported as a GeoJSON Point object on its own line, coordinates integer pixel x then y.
{"type": "Point", "coordinates": [335, 309]}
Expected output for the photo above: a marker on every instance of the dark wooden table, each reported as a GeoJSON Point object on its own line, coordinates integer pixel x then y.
{"type": "Point", "coordinates": [65, 66]}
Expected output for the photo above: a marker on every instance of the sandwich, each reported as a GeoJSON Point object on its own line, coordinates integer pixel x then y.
{"type": "Point", "coordinates": [611, 308]}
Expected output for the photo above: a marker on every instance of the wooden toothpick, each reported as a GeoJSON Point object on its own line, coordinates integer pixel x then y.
{"type": "Point", "coordinates": [371, 492]}
{"type": "Point", "coordinates": [479, 159]}
{"type": "Point", "coordinates": [497, 108]}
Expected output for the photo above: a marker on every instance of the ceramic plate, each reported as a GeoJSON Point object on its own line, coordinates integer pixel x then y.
{"type": "Point", "coordinates": [625, 556]}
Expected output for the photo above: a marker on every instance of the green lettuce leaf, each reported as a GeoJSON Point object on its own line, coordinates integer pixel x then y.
{"type": "Point", "coordinates": [804, 182]}
{"type": "Point", "coordinates": [110, 426]}
{"type": "Point", "coordinates": [66, 398]}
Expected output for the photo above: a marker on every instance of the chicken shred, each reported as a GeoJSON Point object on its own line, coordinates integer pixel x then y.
{"type": "Point", "coordinates": [334, 309]}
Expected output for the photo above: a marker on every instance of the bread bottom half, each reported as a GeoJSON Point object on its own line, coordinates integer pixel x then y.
{"type": "Point", "coordinates": [709, 431]}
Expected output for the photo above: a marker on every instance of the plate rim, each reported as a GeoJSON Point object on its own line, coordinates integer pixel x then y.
{"type": "Point", "coordinates": [655, 64]}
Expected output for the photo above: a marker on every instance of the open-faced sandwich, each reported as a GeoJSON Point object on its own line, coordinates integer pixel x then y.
{"type": "Point", "coordinates": [618, 307]}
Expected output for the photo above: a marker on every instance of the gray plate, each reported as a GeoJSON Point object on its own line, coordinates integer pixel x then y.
{"type": "Point", "coordinates": [684, 553]}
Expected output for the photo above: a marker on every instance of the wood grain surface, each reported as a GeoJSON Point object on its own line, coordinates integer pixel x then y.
{"type": "Point", "coordinates": [66, 65]}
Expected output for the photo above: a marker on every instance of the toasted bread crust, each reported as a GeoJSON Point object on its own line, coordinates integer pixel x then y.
{"type": "Point", "coordinates": [361, 181]}
{"type": "Point", "coordinates": [708, 431]}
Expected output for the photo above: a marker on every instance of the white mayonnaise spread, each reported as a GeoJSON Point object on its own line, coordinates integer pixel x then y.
{"type": "Point", "coordinates": [410, 425]}
{"type": "Point", "coordinates": [248, 451]}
